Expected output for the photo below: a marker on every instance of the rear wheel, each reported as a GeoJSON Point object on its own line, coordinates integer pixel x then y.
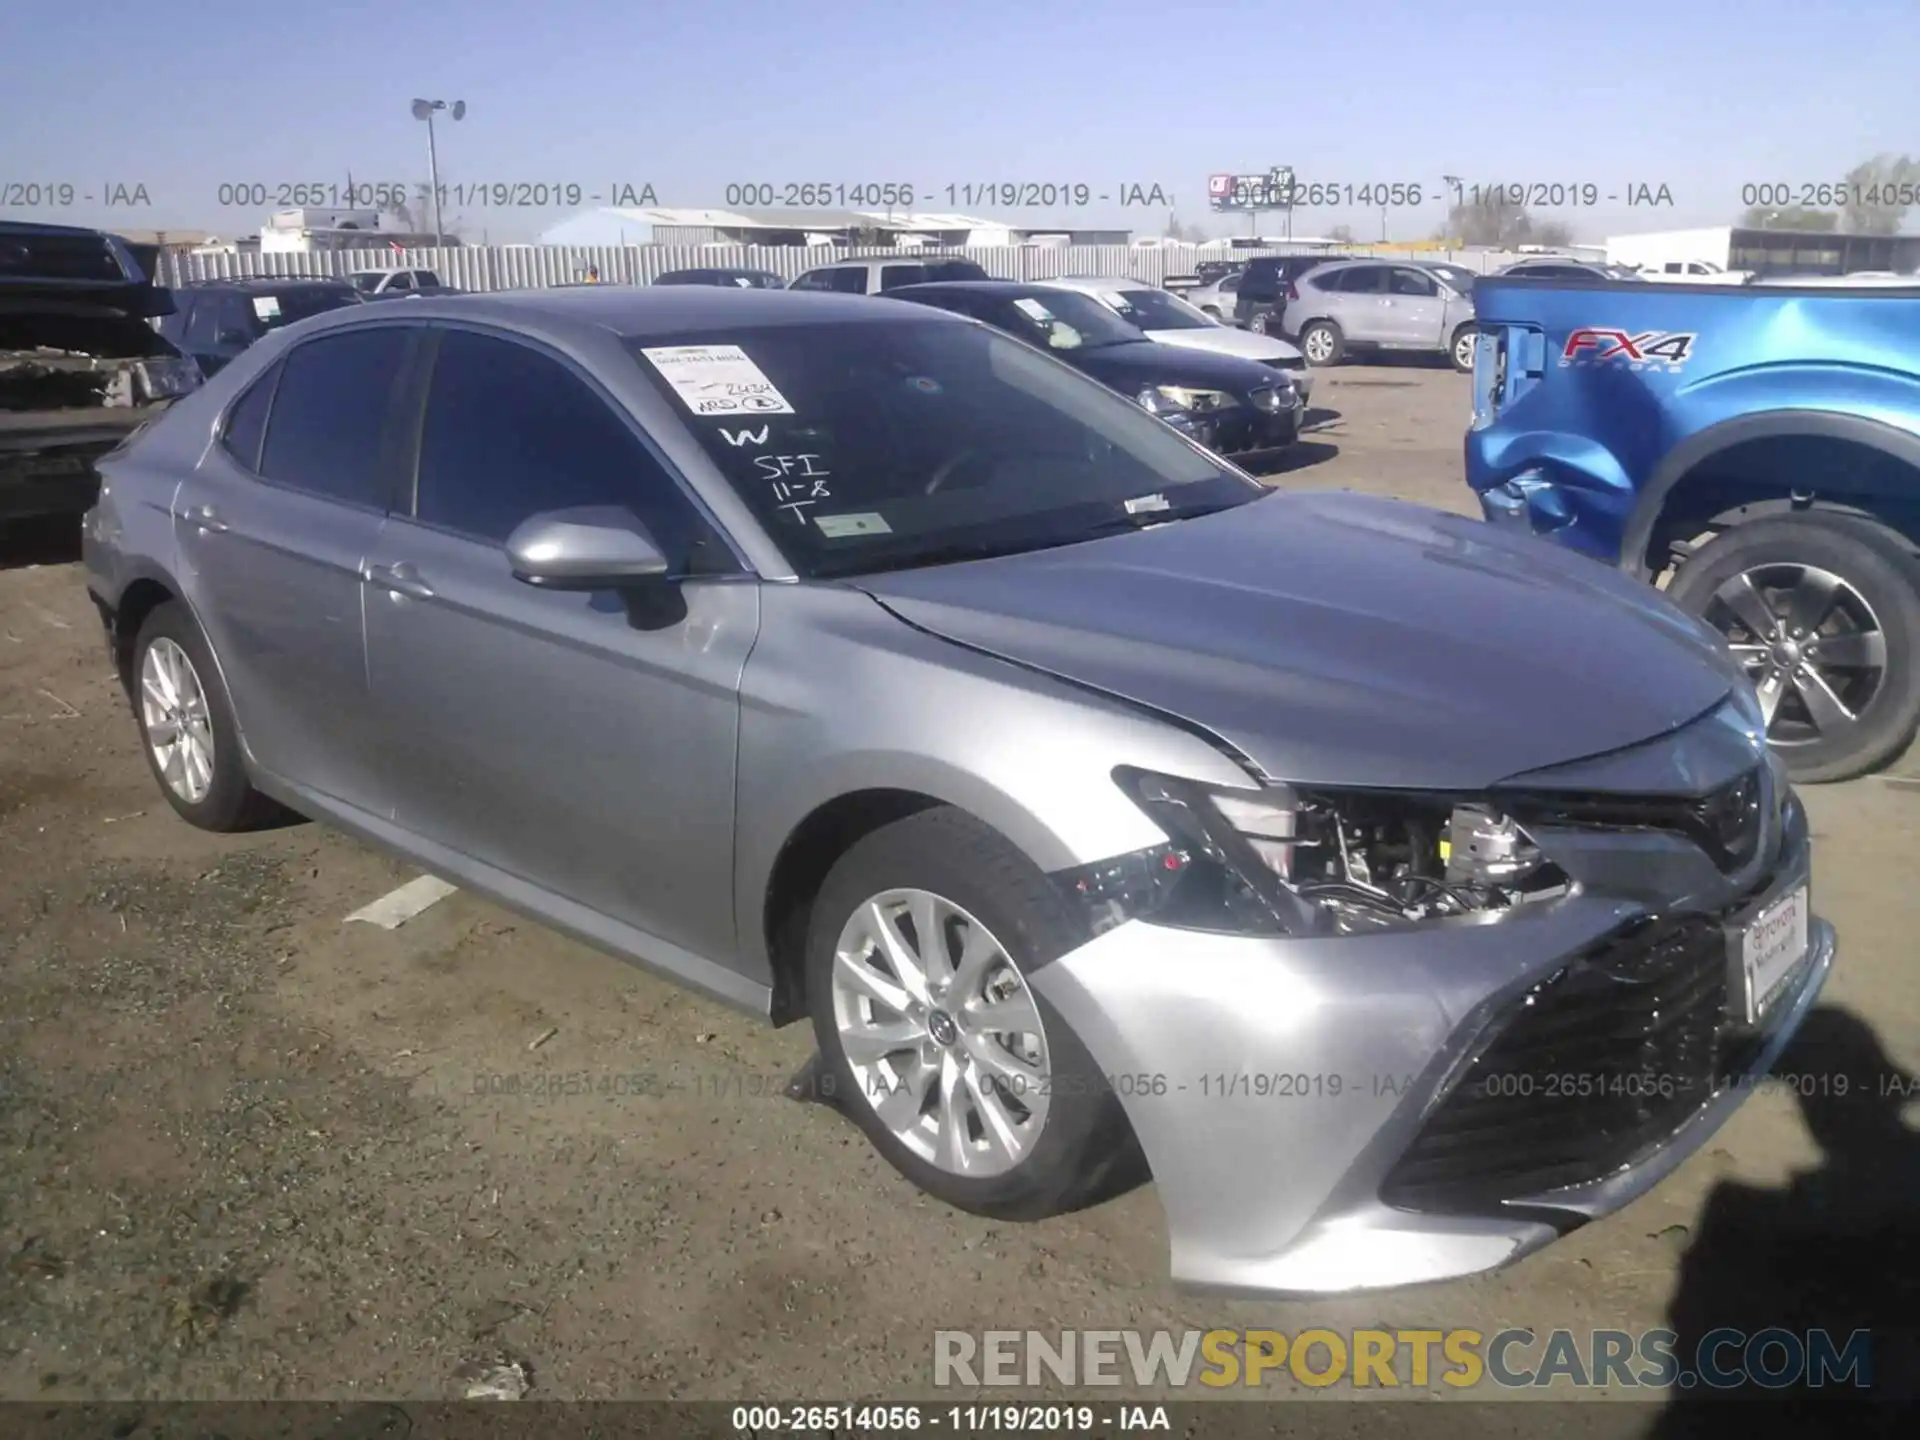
{"type": "Point", "coordinates": [187, 726]}
{"type": "Point", "coordinates": [1322, 343]}
{"type": "Point", "coordinates": [963, 1076]}
{"type": "Point", "coordinates": [1824, 612]}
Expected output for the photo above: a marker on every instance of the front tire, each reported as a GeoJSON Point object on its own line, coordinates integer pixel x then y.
{"type": "Point", "coordinates": [1322, 343]}
{"type": "Point", "coordinates": [187, 728]}
{"type": "Point", "coordinates": [964, 1078]}
{"type": "Point", "coordinates": [1460, 349]}
{"type": "Point", "coordinates": [1824, 611]}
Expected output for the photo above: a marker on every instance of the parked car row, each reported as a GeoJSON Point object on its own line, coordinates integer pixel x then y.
{"type": "Point", "coordinates": [917, 683]}
{"type": "Point", "coordinates": [1237, 393]}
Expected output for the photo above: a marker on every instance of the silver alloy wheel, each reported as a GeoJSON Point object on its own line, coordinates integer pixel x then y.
{"type": "Point", "coordinates": [1463, 344]}
{"type": "Point", "coordinates": [941, 1032]}
{"type": "Point", "coordinates": [1811, 644]}
{"type": "Point", "coordinates": [173, 709]}
{"type": "Point", "coordinates": [1318, 344]}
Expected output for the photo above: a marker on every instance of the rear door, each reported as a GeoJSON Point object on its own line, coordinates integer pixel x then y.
{"type": "Point", "coordinates": [1412, 313]}
{"type": "Point", "coordinates": [1355, 301]}
{"type": "Point", "coordinates": [274, 526]}
{"type": "Point", "coordinates": [577, 744]}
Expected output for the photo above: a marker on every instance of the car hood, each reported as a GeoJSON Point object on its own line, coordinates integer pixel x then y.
{"type": "Point", "coordinates": [1227, 340]}
{"type": "Point", "coordinates": [1141, 362]}
{"type": "Point", "coordinates": [1342, 639]}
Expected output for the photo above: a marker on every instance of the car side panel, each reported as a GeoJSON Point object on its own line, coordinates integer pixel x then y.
{"type": "Point", "coordinates": [840, 696]}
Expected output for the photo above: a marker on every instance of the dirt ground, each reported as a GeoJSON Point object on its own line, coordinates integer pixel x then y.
{"type": "Point", "coordinates": [249, 1150]}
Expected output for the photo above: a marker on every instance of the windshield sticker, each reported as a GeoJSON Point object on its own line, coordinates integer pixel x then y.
{"type": "Point", "coordinates": [1034, 309]}
{"type": "Point", "coordinates": [838, 527]}
{"type": "Point", "coordinates": [266, 306]}
{"type": "Point", "coordinates": [717, 380]}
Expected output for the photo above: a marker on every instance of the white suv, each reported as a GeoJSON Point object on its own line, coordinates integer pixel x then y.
{"type": "Point", "coordinates": [872, 276]}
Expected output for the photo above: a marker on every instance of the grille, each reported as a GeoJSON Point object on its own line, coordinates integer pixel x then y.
{"type": "Point", "coordinates": [1727, 823]}
{"type": "Point", "coordinates": [1596, 1065]}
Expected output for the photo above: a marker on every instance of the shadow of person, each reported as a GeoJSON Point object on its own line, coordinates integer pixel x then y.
{"type": "Point", "coordinates": [1837, 1251]}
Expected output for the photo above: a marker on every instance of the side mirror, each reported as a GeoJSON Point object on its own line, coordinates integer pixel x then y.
{"type": "Point", "coordinates": [589, 547]}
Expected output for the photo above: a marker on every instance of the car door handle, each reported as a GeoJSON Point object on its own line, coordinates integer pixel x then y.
{"type": "Point", "coordinates": [401, 579]}
{"type": "Point", "coordinates": [205, 517]}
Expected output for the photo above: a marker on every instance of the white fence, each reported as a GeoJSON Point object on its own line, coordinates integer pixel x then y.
{"type": "Point", "coordinates": [522, 267]}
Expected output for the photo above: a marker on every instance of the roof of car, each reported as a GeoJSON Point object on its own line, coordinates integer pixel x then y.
{"type": "Point", "coordinates": [904, 257]}
{"type": "Point", "coordinates": [636, 311]}
{"type": "Point", "coordinates": [1094, 284]}
{"type": "Point", "coordinates": [1003, 289]}
{"type": "Point", "coordinates": [277, 282]}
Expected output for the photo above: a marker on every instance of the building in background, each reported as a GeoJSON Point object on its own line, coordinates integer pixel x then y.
{"type": "Point", "coordinates": [302, 231]}
{"type": "Point", "coordinates": [1767, 252]}
{"type": "Point", "coordinates": [614, 226]}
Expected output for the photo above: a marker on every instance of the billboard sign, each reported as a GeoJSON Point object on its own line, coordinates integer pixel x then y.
{"type": "Point", "coordinates": [1271, 191]}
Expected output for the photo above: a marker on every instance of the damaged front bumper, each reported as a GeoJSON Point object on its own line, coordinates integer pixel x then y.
{"type": "Point", "coordinates": [1367, 1111]}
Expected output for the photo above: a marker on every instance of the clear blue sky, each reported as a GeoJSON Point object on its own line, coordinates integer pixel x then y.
{"type": "Point", "coordinates": [1699, 95]}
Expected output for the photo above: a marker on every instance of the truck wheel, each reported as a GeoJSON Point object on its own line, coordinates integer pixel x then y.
{"type": "Point", "coordinates": [964, 1078]}
{"type": "Point", "coordinates": [1322, 343]}
{"type": "Point", "coordinates": [187, 727]}
{"type": "Point", "coordinates": [1824, 612]}
{"type": "Point", "coordinates": [1460, 350]}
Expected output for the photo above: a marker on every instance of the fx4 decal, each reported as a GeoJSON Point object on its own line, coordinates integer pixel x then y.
{"type": "Point", "coordinates": [1660, 349]}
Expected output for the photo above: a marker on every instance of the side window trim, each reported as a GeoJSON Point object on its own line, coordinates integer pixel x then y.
{"type": "Point", "coordinates": [384, 457]}
{"type": "Point", "coordinates": [409, 466]}
{"type": "Point", "coordinates": [270, 378]}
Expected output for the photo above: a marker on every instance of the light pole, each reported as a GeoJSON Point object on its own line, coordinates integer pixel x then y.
{"type": "Point", "coordinates": [423, 110]}
{"type": "Point", "coordinates": [1453, 183]}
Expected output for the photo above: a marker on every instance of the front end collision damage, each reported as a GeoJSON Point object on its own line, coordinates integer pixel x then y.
{"type": "Point", "coordinates": [1278, 1085]}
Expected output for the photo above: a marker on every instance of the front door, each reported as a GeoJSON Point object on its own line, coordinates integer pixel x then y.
{"type": "Point", "coordinates": [580, 742]}
{"type": "Point", "coordinates": [274, 526]}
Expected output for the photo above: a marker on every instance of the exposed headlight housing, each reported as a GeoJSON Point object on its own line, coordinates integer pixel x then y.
{"type": "Point", "coordinates": [165, 378]}
{"type": "Point", "coordinates": [1284, 861]}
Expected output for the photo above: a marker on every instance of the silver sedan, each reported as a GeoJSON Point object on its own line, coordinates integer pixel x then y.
{"type": "Point", "coordinates": [855, 664]}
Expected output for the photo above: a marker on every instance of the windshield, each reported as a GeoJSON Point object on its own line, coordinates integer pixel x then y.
{"type": "Point", "coordinates": [367, 281]}
{"type": "Point", "coordinates": [1157, 310]}
{"type": "Point", "coordinates": [1063, 320]}
{"type": "Point", "coordinates": [1457, 276]}
{"type": "Point", "coordinates": [875, 446]}
{"type": "Point", "coordinates": [291, 305]}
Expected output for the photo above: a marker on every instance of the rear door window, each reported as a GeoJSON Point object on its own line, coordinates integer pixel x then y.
{"type": "Point", "coordinates": [330, 412]}
{"type": "Point", "coordinates": [892, 277]}
{"type": "Point", "coordinates": [247, 421]}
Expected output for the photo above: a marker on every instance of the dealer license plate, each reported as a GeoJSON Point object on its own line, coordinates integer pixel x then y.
{"type": "Point", "coordinates": [1771, 946]}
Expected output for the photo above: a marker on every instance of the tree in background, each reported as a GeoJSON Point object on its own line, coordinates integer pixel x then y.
{"type": "Point", "coordinates": [1868, 202]}
{"type": "Point", "coordinates": [1794, 217]}
{"type": "Point", "coordinates": [1342, 233]}
{"type": "Point", "coordinates": [1504, 226]}
{"type": "Point", "coordinates": [1866, 212]}
{"type": "Point", "coordinates": [1192, 234]}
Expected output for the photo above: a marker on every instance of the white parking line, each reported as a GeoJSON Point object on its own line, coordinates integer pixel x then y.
{"type": "Point", "coordinates": [395, 908]}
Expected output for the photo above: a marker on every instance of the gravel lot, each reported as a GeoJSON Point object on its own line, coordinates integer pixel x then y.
{"type": "Point", "coordinates": [253, 1151]}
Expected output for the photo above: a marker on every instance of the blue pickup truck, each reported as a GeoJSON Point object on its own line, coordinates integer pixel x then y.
{"type": "Point", "coordinates": [1753, 450]}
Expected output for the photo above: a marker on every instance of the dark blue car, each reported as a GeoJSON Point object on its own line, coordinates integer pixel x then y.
{"type": "Point", "coordinates": [1756, 450]}
{"type": "Point", "coordinates": [1236, 407]}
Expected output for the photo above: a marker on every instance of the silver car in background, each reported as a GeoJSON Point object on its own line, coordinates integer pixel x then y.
{"type": "Point", "coordinates": [1349, 305]}
{"type": "Point", "coordinates": [852, 662]}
